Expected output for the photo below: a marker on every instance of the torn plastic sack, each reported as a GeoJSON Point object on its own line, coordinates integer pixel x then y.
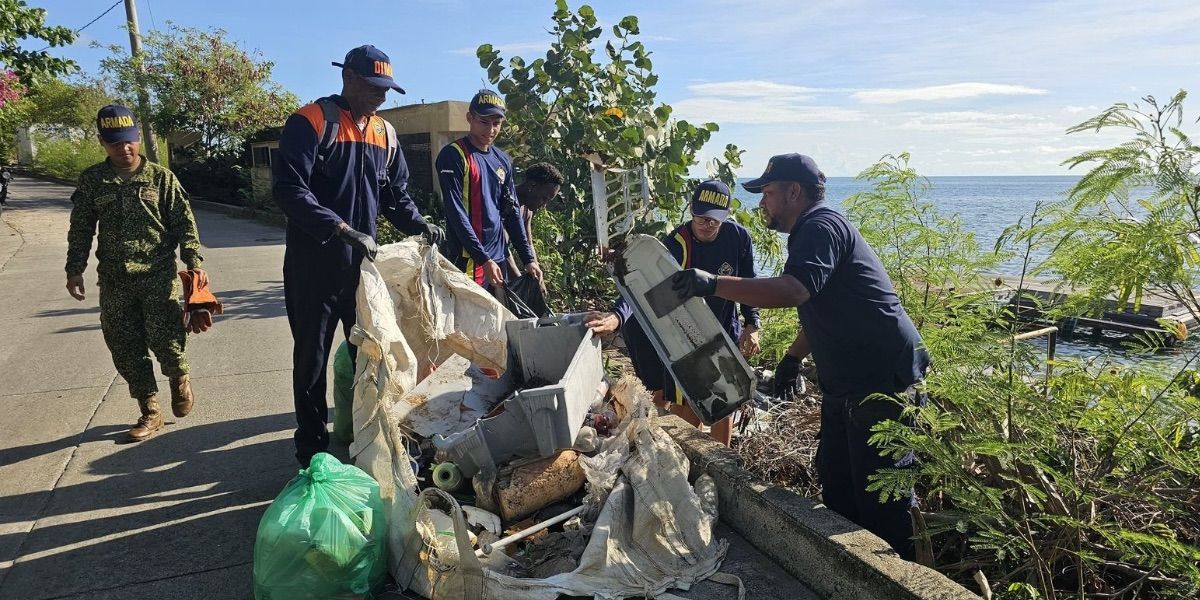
{"type": "Point", "coordinates": [416, 292]}
{"type": "Point", "coordinates": [411, 293]}
{"type": "Point", "coordinates": [323, 537]}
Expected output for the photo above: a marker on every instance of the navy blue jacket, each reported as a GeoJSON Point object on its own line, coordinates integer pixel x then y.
{"type": "Point", "coordinates": [348, 188]}
{"type": "Point", "coordinates": [480, 203]}
{"type": "Point", "coordinates": [862, 341]}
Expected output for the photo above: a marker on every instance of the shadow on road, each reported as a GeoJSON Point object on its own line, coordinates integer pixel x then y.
{"type": "Point", "coordinates": [117, 537]}
{"type": "Point", "coordinates": [222, 231]}
{"type": "Point", "coordinates": [263, 302]}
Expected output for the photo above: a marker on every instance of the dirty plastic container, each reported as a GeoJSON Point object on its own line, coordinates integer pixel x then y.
{"type": "Point", "coordinates": [558, 367]}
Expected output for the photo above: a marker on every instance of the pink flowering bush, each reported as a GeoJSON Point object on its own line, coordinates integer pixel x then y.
{"type": "Point", "coordinates": [11, 89]}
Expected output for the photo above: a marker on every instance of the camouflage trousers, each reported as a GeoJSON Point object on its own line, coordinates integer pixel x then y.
{"type": "Point", "coordinates": [138, 315]}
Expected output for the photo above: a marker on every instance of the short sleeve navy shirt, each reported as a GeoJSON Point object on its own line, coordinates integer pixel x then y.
{"type": "Point", "coordinates": [862, 341]}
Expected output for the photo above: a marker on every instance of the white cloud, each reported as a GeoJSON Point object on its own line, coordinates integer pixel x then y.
{"type": "Point", "coordinates": [1074, 110]}
{"type": "Point", "coordinates": [761, 111]}
{"type": "Point", "coordinates": [507, 49]}
{"type": "Point", "coordinates": [1016, 126]}
{"type": "Point", "coordinates": [759, 102]}
{"type": "Point", "coordinates": [942, 92]}
{"type": "Point", "coordinates": [1063, 150]}
{"type": "Point", "coordinates": [752, 89]}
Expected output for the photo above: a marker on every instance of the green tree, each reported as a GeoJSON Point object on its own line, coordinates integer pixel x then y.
{"type": "Point", "coordinates": [571, 103]}
{"type": "Point", "coordinates": [1129, 227]}
{"type": "Point", "coordinates": [66, 104]}
{"type": "Point", "coordinates": [1080, 484]}
{"type": "Point", "coordinates": [21, 23]}
{"type": "Point", "coordinates": [61, 109]}
{"type": "Point", "coordinates": [200, 83]}
{"type": "Point", "coordinates": [929, 255]}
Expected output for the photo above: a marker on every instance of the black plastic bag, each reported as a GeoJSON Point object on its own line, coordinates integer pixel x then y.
{"type": "Point", "coordinates": [524, 298]}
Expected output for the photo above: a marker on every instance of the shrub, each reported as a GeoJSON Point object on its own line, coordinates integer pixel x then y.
{"type": "Point", "coordinates": [66, 158]}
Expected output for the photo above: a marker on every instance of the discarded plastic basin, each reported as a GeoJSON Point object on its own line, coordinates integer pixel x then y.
{"type": "Point", "coordinates": [556, 363]}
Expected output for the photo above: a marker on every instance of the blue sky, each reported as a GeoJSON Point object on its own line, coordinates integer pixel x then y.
{"type": "Point", "coordinates": [968, 88]}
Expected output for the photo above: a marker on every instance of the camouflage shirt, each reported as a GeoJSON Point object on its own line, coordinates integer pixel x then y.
{"type": "Point", "coordinates": [141, 222]}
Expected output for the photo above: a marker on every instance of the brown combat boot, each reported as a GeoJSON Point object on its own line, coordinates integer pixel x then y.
{"type": "Point", "coordinates": [150, 422]}
{"type": "Point", "coordinates": [181, 395]}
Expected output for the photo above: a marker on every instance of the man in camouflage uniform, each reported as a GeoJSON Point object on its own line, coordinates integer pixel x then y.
{"type": "Point", "coordinates": [143, 215]}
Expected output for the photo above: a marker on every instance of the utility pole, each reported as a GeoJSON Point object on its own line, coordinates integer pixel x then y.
{"type": "Point", "coordinates": [135, 47]}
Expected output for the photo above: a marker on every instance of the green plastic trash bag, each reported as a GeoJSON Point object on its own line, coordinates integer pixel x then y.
{"type": "Point", "coordinates": [323, 538]}
{"type": "Point", "coordinates": [343, 395]}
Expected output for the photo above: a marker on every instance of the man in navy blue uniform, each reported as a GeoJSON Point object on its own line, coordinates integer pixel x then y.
{"type": "Point", "coordinates": [863, 343]}
{"type": "Point", "coordinates": [711, 242]}
{"type": "Point", "coordinates": [339, 167]}
{"type": "Point", "coordinates": [480, 198]}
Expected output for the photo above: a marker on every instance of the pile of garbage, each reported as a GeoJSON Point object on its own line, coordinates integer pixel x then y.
{"type": "Point", "coordinates": [507, 466]}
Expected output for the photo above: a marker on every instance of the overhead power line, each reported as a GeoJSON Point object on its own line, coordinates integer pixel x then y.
{"type": "Point", "coordinates": [89, 23]}
{"type": "Point", "coordinates": [114, 5]}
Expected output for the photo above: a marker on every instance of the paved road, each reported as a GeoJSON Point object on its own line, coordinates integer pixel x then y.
{"type": "Point", "coordinates": [83, 515]}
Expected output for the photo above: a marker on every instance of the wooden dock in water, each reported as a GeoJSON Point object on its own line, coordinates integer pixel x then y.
{"type": "Point", "coordinates": [1037, 296]}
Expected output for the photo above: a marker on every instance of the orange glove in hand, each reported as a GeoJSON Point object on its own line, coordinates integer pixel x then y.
{"type": "Point", "coordinates": [199, 302]}
{"type": "Point", "coordinates": [197, 321]}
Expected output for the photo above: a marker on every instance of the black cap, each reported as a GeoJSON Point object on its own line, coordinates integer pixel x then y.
{"type": "Point", "coordinates": [711, 199]}
{"type": "Point", "coordinates": [486, 103]}
{"type": "Point", "coordinates": [371, 64]}
{"type": "Point", "coordinates": [787, 167]}
{"type": "Point", "coordinates": [116, 124]}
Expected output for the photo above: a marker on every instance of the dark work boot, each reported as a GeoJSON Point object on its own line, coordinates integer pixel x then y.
{"type": "Point", "coordinates": [150, 422]}
{"type": "Point", "coordinates": [181, 395]}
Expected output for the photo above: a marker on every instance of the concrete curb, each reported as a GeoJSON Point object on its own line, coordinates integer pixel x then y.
{"type": "Point", "coordinates": [242, 212]}
{"type": "Point", "coordinates": [832, 556]}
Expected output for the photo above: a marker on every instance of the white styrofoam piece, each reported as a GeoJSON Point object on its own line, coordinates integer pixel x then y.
{"type": "Point", "coordinates": [706, 365]}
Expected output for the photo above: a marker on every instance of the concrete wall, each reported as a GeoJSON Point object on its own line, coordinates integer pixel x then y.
{"type": "Point", "coordinates": [26, 148]}
{"type": "Point", "coordinates": [28, 135]}
{"type": "Point", "coordinates": [829, 554]}
{"type": "Point", "coordinates": [443, 121]}
{"type": "Point", "coordinates": [437, 117]}
{"type": "Point", "coordinates": [260, 173]}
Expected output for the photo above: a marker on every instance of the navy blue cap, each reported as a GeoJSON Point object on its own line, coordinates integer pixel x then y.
{"type": "Point", "coordinates": [712, 199]}
{"type": "Point", "coordinates": [487, 103]}
{"type": "Point", "coordinates": [116, 124]}
{"type": "Point", "coordinates": [371, 64]}
{"type": "Point", "coordinates": [787, 167]}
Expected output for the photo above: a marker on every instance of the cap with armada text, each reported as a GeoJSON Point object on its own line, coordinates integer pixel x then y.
{"type": "Point", "coordinates": [711, 199]}
{"type": "Point", "coordinates": [371, 64]}
{"type": "Point", "coordinates": [116, 124]}
{"type": "Point", "coordinates": [787, 167]}
{"type": "Point", "coordinates": [487, 103]}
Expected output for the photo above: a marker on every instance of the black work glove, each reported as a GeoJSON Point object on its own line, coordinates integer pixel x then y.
{"type": "Point", "coordinates": [436, 235]}
{"type": "Point", "coordinates": [690, 283]}
{"type": "Point", "coordinates": [787, 375]}
{"type": "Point", "coordinates": [359, 241]}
